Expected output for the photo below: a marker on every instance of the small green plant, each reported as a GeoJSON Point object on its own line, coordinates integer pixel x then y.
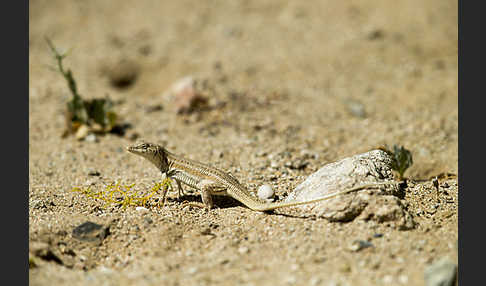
{"type": "Point", "coordinates": [402, 159]}
{"type": "Point", "coordinates": [97, 114]}
{"type": "Point", "coordinates": [125, 195]}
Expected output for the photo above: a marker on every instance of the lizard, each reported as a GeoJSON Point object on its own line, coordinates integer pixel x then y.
{"type": "Point", "coordinates": [213, 181]}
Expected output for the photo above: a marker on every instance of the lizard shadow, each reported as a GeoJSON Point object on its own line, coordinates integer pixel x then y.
{"type": "Point", "coordinates": [221, 202]}
{"type": "Point", "coordinates": [225, 202]}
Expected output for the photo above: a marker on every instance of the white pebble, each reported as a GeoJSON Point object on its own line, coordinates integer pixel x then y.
{"type": "Point", "coordinates": [291, 280]}
{"type": "Point", "coordinates": [141, 209]}
{"type": "Point", "coordinates": [387, 279]}
{"type": "Point", "coordinates": [105, 270]}
{"type": "Point", "coordinates": [243, 250]}
{"type": "Point", "coordinates": [192, 270]}
{"type": "Point", "coordinates": [265, 192]}
{"type": "Point", "coordinates": [315, 281]}
{"type": "Point", "coordinates": [91, 138]}
{"type": "Point", "coordinates": [403, 279]}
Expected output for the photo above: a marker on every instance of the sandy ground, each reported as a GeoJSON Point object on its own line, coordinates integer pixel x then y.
{"type": "Point", "coordinates": [327, 78]}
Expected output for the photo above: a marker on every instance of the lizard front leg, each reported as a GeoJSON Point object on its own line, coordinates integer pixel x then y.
{"type": "Point", "coordinates": [180, 190]}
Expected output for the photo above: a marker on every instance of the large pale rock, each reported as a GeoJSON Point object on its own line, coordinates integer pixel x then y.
{"type": "Point", "coordinates": [381, 203]}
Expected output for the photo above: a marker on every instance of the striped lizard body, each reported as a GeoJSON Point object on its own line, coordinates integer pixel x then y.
{"type": "Point", "coordinates": [212, 181]}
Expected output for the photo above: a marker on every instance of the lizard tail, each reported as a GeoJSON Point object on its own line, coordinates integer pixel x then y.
{"type": "Point", "coordinates": [277, 205]}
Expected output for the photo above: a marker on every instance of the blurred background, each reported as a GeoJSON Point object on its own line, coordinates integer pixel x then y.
{"type": "Point", "coordinates": [351, 74]}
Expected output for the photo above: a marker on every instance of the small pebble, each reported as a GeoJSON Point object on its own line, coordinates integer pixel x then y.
{"type": "Point", "coordinates": [387, 279]}
{"type": "Point", "coordinates": [297, 164]}
{"type": "Point", "coordinates": [186, 98]}
{"type": "Point", "coordinates": [376, 35]}
{"type": "Point", "coordinates": [358, 245]}
{"type": "Point", "coordinates": [291, 280]}
{"type": "Point", "coordinates": [261, 153]}
{"type": "Point", "coordinates": [441, 273]}
{"type": "Point", "coordinates": [91, 138]}
{"type": "Point", "coordinates": [133, 136]}
{"type": "Point", "coordinates": [153, 108]}
{"type": "Point", "coordinates": [192, 270]}
{"type": "Point", "coordinates": [148, 220]}
{"type": "Point", "coordinates": [315, 281]}
{"type": "Point", "coordinates": [105, 270]}
{"type": "Point", "coordinates": [265, 192]}
{"type": "Point", "coordinates": [345, 268]}
{"type": "Point", "coordinates": [218, 154]}
{"type": "Point", "coordinates": [82, 132]}
{"type": "Point", "coordinates": [403, 279]}
{"type": "Point", "coordinates": [141, 209]}
{"type": "Point", "coordinates": [356, 108]}
{"type": "Point", "coordinates": [274, 165]}
{"type": "Point", "coordinates": [123, 74]}
{"type": "Point", "coordinates": [93, 172]}
{"type": "Point", "coordinates": [243, 250]}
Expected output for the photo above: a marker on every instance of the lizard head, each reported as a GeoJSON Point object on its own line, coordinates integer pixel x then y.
{"type": "Point", "coordinates": [152, 152]}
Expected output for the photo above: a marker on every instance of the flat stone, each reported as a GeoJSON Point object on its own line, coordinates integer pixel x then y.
{"type": "Point", "coordinates": [90, 232]}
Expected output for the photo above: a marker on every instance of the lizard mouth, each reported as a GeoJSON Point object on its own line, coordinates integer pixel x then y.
{"type": "Point", "coordinates": [131, 149]}
{"type": "Point", "coordinates": [135, 150]}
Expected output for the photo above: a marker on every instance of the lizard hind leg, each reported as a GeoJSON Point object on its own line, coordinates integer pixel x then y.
{"type": "Point", "coordinates": [205, 187]}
